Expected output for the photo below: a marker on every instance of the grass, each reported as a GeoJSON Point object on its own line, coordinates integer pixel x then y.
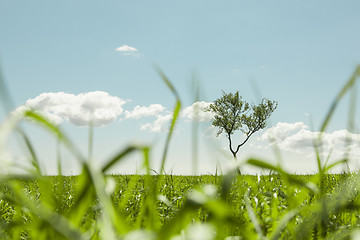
{"type": "Point", "coordinates": [95, 205]}
{"type": "Point", "coordinates": [265, 200]}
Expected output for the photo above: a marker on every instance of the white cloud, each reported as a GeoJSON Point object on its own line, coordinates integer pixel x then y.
{"type": "Point", "coordinates": [161, 124]}
{"type": "Point", "coordinates": [297, 138]}
{"type": "Point", "coordinates": [100, 109]}
{"type": "Point", "coordinates": [126, 48]}
{"type": "Point", "coordinates": [97, 108]}
{"type": "Point", "coordinates": [141, 111]}
{"type": "Point", "coordinates": [282, 130]}
{"type": "Point", "coordinates": [128, 51]}
{"type": "Point", "coordinates": [163, 117]}
{"type": "Point", "coordinates": [196, 112]}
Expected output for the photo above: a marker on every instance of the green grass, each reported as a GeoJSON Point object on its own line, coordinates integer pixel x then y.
{"type": "Point", "coordinates": [95, 205]}
{"type": "Point", "coordinates": [267, 197]}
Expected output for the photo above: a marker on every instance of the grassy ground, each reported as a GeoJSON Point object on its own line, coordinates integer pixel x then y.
{"type": "Point", "coordinates": [253, 207]}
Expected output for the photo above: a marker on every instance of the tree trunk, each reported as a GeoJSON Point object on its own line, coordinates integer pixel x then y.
{"type": "Point", "coordinates": [233, 153]}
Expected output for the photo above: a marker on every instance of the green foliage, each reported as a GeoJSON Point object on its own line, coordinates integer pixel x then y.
{"type": "Point", "coordinates": [232, 114]}
{"type": "Point", "coordinates": [229, 112]}
{"type": "Point", "coordinates": [95, 205]}
{"type": "Point", "coordinates": [266, 206]}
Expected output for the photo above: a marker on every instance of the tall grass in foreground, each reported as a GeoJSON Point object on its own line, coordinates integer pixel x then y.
{"type": "Point", "coordinates": [95, 205]}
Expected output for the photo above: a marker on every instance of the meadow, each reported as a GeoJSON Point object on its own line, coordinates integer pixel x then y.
{"type": "Point", "coordinates": [97, 205]}
{"type": "Point", "coordinates": [184, 207]}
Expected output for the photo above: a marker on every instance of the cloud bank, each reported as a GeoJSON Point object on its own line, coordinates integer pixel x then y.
{"type": "Point", "coordinates": [297, 138]}
{"type": "Point", "coordinates": [100, 109]}
{"type": "Point", "coordinates": [142, 111]}
{"type": "Point", "coordinates": [93, 108]}
{"type": "Point", "coordinates": [195, 112]}
{"type": "Point", "coordinates": [162, 116]}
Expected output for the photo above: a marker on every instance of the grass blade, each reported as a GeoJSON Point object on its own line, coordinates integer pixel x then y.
{"type": "Point", "coordinates": [195, 128]}
{"type": "Point", "coordinates": [252, 215]}
{"type": "Point", "coordinates": [108, 209]}
{"type": "Point", "coordinates": [5, 97]}
{"type": "Point", "coordinates": [39, 119]}
{"type": "Point", "coordinates": [342, 161]}
{"type": "Point", "coordinates": [347, 87]}
{"type": "Point", "coordinates": [167, 82]}
{"type": "Point", "coordinates": [282, 224]}
{"type": "Point", "coordinates": [118, 157]}
{"type": "Point", "coordinates": [167, 143]}
{"type": "Point", "coordinates": [174, 118]}
{"type": "Point", "coordinates": [34, 158]}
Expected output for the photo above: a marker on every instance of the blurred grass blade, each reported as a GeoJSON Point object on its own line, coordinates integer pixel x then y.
{"type": "Point", "coordinates": [34, 159]}
{"type": "Point", "coordinates": [118, 157]}
{"type": "Point", "coordinates": [252, 215]}
{"type": "Point", "coordinates": [352, 108]}
{"type": "Point", "coordinates": [174, 118]}
{"type": "Point", "coordinates": [195, 128]}
{"type": "Point", "coordinates": [349, 84]}
{"type": "Point", "coordinates": [342, 161]}
{"type": "Point", "coordinates": [276, 234]}
{"type": "Point", "coordinates": [263, 164]}
{"type": "Point", "coordinates": [5, 97]}
{"type": "Point", "coordinates": [316, 144]}
{"type": "Point", "coordinates": [148, 216]}
{"type": "Point", "coordinates": [146, 163]}
{"type": "Point", "coordinates": [40, 119]}
{"type": "Point", "coordinates": [328, 159]}
{"type": "Point", "coordinates": [58, 157]}
{"type": "Point", "coordinates": [83, 199]}
{"type": "Point", "coordinates": [167, 82]}
{"type": "Point", "coordinates": [108, 209]}
{"type": "Point", "coordinates": [167, 143]}
{"type": "Point", "coordinates": [91, 141]}
{"type": "Point", "coordinates": [56, 130]}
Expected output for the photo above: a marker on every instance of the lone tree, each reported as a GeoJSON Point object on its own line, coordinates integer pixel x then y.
{"type": "Point", "coordinates": [232, 113]}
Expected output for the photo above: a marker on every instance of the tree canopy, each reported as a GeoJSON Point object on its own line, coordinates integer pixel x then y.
{"type": "Point", "coordinates": [232, 114]}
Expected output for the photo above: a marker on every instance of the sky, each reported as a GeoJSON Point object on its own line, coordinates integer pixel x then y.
{"type": "Point", "coordinates": [78, 62]}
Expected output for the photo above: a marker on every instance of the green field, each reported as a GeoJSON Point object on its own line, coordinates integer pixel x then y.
{"type": "Point", "coordinates": [167, 207]}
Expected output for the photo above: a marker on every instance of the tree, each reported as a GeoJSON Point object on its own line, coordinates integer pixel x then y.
{"type": "Point", "coordinates": [232, 114]}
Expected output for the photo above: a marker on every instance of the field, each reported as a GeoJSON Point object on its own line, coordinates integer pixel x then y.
{"type": "Point", "coordinates": [96, 205]}
{"type": "Point", "coordinates": [181, 207]}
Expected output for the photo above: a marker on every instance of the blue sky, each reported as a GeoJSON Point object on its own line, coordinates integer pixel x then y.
{"type": "Point", "coordinates": [298, 53]}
